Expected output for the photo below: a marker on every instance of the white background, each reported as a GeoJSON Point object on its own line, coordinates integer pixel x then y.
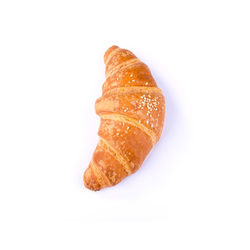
{"type": "Point", "coordinates": [193, 190]}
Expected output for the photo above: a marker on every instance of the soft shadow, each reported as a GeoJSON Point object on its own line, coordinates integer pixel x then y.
{"type": "Point", "coordinates": [159, 164]}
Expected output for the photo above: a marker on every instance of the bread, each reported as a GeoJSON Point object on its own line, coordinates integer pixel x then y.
{"type": "Point", "coordinates": [132, 111]}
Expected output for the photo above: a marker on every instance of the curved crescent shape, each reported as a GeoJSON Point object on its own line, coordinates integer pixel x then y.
{"type": "Point", "coordinates": [132, 112]}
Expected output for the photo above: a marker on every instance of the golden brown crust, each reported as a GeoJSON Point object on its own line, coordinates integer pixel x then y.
{"type": "Point", "coordinates": [132, 111]}
{"type": "Point", "coordinates": [131, 121]}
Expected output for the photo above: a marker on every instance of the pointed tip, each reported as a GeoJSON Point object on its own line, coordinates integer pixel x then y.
{"type": "Point", "coordinates": [90, 181]}
{"type": "Point", "coordinates": [108, 52]}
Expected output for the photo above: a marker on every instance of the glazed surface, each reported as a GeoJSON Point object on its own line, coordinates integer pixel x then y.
{"type": "Point", "coordinates": [132, 111]}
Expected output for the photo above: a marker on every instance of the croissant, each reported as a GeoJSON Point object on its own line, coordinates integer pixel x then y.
{"type": "Point", "coordinates": [132, 111]}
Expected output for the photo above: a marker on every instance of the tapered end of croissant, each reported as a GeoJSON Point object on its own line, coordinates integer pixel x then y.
{"type": "Point", "coordinates": [109, 52]}
{"type": "Point", "coordinates": [90, 180]}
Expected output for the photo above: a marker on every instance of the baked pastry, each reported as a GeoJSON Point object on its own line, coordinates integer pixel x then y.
{"type": "Point", "coordinates": [132, 111]}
